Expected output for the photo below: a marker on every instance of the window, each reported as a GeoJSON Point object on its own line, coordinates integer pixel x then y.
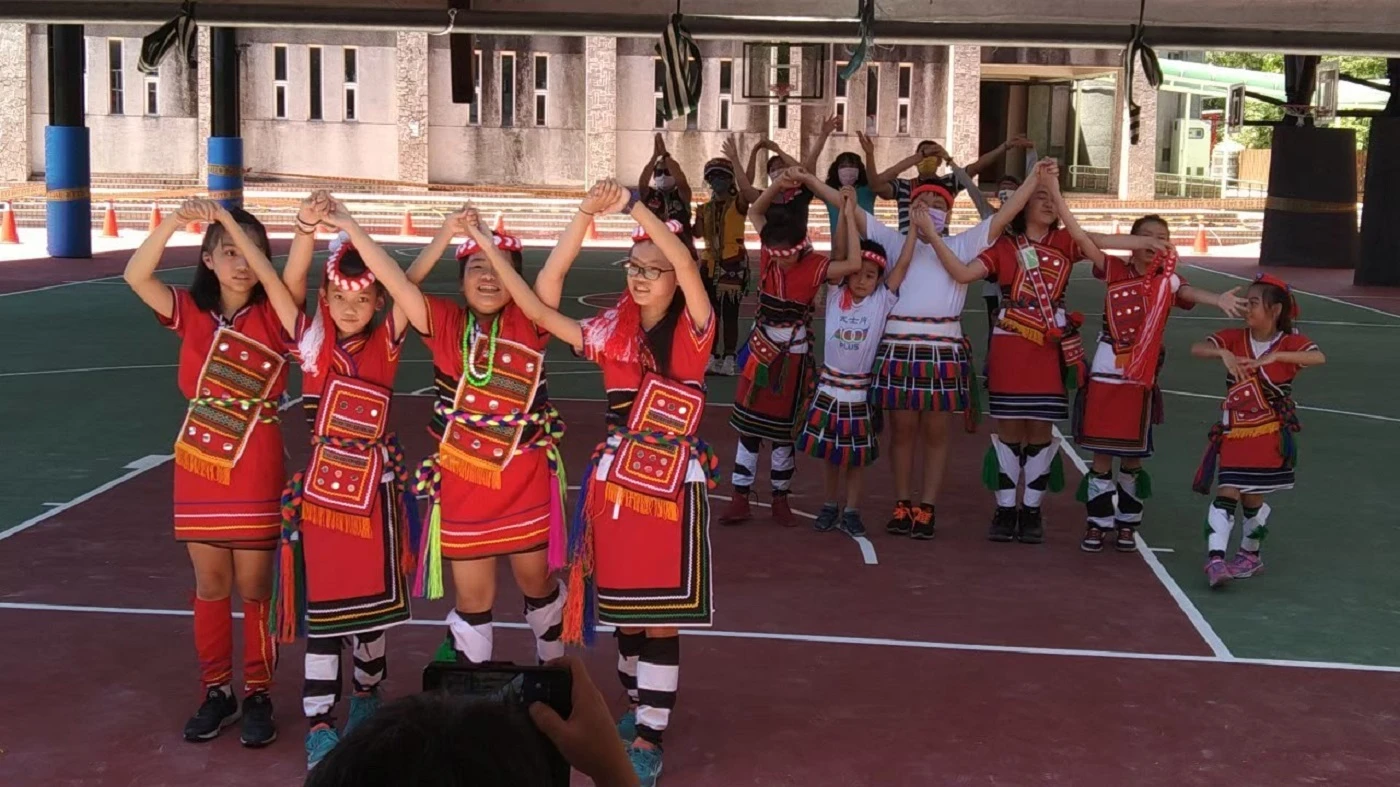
{"type": "Point", "coordinates": [906, 87]}
{"type": "Point", "coordinates": [658, 82]}
{"type": "Point", "coordinates": [279, 82]}
{"type": "Point", "coordinates": [507, 89]}
{"type": "Point", "coordinates": [474, 111]}
{"type": "Point", "coordinates": [541, 89]}
{"type": "Point", "coordinates": [315, 83]}
{"type": "Point", "coordinates": [352, 82]}
{"type": "Point", "coordinates": [782, 75]}
{"type": "Point", "coordinates": [114, 71]}
{"type": "Point", "coordinates": [726, 92]}
{"type": "Point", "coordinates": [872, 100]}
{"type": "Point", "coordinates": [153, 94]}
{"type": "Point", "coordinates": [840, 93]}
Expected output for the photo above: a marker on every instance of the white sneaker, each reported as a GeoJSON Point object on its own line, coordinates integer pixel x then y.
{"type": "Point", "coordinates": [729, 368]}
{"type": "Point", "coordinates": [713, 366]}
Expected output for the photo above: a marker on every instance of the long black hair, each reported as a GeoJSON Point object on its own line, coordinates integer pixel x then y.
{"type": "Point", "coordinates": [205, 288]}
{"type": "Point", "coordinates": [849, 159]}
{"type": "Point", "coordinates": [661, 337]}
{"type": "Point", "coordinates": [1274, 295]}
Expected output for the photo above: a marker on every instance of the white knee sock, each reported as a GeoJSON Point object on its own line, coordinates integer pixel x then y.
{"type": "Point", "coordinates": [1220, 520]}
{"type": "Point", "coordinates": [1256, 527]}
{"type": "Point", "coordinates": [471, 634]}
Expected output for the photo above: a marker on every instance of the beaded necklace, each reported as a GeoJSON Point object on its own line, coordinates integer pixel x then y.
{"type": "Point", "coordinates": [475, 379]}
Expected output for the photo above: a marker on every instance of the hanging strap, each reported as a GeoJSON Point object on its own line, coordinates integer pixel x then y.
{"type": "Point", "coordinates": [865, 10]}
{"type": "Point", "coordinates": [681, 57]}
{"type": "Point", "coordinates": [179, 31]}
{"type": "Point", "coordinates": [1151, 69]}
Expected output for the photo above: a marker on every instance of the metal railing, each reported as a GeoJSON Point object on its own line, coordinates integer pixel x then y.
{"type": "Point", "coordinates": [1097, 180]}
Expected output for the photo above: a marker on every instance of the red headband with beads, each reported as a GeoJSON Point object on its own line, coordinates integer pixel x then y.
{"type": "Point", "coordinates": [500, 241]}
{"type": "Point", "coordinates": [341, 280]}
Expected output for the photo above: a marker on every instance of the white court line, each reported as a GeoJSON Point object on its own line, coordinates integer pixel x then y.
{"type": "Point", "coordinates": [1371, 309]}
{"type": "Point", "coordinates": [823, 639]}
{"type": "Point", "coordinates": [90, 281]}
{"type": "Point", "coordinates": [136, 467]}
{"type": "Point", "coordinates": [1303, 323]}
{"type": "Point", "coordinates": [1369, 416]}
{"type": "Point", "coordinates": [86, 369]}
{"type": "Point", "coordinates": [1203, 627]}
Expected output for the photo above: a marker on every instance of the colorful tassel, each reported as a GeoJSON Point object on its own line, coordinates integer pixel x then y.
{"type": "Point", "coordinates": [558, 528]}
{"type": "Point", "coordinates": [1205, 473]}
{"type": "Point", "coordinates": [1143, 487]}
{"type": "Point", "coordinates": [433, 578]}
{"type": "Point", "coordinates": [287, 609]}
{"type": "Point", "coordinates": [991, 468]}
{"type": "Point", "coordinates": [1056, 482]}
{"type": "Point", "coordinates": [1081, 494]}
{"type": "Point", "coordinates": [580, 608]}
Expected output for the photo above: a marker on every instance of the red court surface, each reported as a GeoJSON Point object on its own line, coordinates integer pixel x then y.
{"type": "Point", "coordinates": [951, 662]}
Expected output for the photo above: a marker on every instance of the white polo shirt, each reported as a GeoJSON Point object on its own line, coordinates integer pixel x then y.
{"type": "Point", "coordinates": [928, 290]}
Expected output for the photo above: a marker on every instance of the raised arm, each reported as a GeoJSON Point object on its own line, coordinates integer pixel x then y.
{"type": "Point", "coordinates": [1015, 142]}
{"type": "Point", "coordinates": [140, 272]}
{"type": "Point", "coordinates": [1127, 242]}
{"type": "Point", "coordinates": [743, 177]}
{"type": "Point", "coordinates": [882, 188]}
{"type": "Point", "coordinates": [281, 299]}
{"type": "Point", "coordinates": [1015, 204]}
{"type": "Point", "coordinates": [605, 196]}
{"type": "Point", "coordinates": [309, 215]}
{"type": "Point", "coordinates": [409, 303]}
{"type": "Point", "coordinates": [1050, 176]}
{"type": "Point", "coordinates": [1295, 357]}
{"type": "Point", "coordinates": [809, 162]}
{"type": "Point", "coordinates": [984, 207]}
{"type": "Point", "coordinates": [845, 258]}
{"type": "Point", "coordinates": [1228, 302]}
{"type": "Point", "coordinates": [697, 298]}
{"type": "Point", "coordinates": [760, 206]}
{"type": "Point", "coordinates": [901, 266]}
{"type": "Point", "coordinates": [819, 187]}
{"type": "Point", "coordinates": [788, 161]}
{"type": "Point", "coordinates": [565, 328]}
{"type": "Point", "coordinates": [431, 254]}
{"type": "Point", "coordinates": [960, 272]}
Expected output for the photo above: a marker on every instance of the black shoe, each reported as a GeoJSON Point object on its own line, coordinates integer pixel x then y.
{"type": "Point", "coordinates": [1126, 541]}
{"type": "Point", "coordinates": [219, 710]}
{"type": "Point", "coordinates": [1003, 525]}
{"type": "Point", "coordinates": [1092, 540]}
{"type": "Point", "coordinates": [258, 727]}
{"type": "Point", "coordinates": [902, 521]}
{"type": "Point", "coordinates": [1029, 527]}
{"type": "Point", "coordinates": [827, 518]}
{"type": "Point", "coordinates": [923, 523]}
{"type": "Point", "coordinates": [851, 524]}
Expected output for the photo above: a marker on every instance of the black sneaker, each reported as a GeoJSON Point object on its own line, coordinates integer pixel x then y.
{"type": "Point", "coordinates": [902, 521]}
{"type": "Point", "coordinates": [1003, 525]}
{"type": "Point", "coordinates": [1029, 527]}
{"type": "Point", "coordinates": [1092, 540]}
{"type": "Point", "coordinates": [219, 710]}
{"type": "Point", "coordinates": [258, 727]}
{"type": "Point", "coordinates": [851, 524]}
{"type": "Point", "coordinates": [827, 518]}
{"type": "Point", "coordinates": [1127, 540]}
{"type": "Point", "coordinates": [923, 523]}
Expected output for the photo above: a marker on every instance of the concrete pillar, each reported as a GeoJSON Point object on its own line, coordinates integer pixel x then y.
{"type": "Point", "coordinates": [1133, 168]}
{"type": "Point", "coordinates": [411, 51]}
{"type": "Point", "coordinates": [1017, 103]}
{"type": "Point", "coordinates": [225, 146]}
{"type": "Point", "coordinates": [600, 110]}
{"type": "Point", "coordinates": [963, 117]}
{"type": "Point", "coordinates": [67, 148]}
{"type": "Point", "coordinates": [204, 98]}
{"type": "Point", "coordinates": [14, 102]}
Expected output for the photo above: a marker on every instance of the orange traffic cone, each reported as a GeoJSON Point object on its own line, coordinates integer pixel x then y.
{"type": "Point", "coordinates": [1116, 228]}
{"type": "Point", "coordinates": [406, 225]}
{"type": "Point", "coordinates": [8, 232]}
{"type": "Point", "coordinates": [156, 218]}
{"type": "Point", "coordinates": [1202, 245]}
{"type": "Point", "coordinates": [500, 227]}
{"type": "Point", "coordinates": [109, 222]}
{"type": "Point", "coordinates": [592, 229]}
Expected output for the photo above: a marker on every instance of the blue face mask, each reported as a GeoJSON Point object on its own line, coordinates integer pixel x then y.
{"type": "Point", "coordinates": [721, 185]}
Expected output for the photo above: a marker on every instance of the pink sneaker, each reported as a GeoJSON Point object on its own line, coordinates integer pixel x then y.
{"type": "Point", "coordinates": [1245, 565]}
{"type": "Point", "coordinates": [1217, 573]}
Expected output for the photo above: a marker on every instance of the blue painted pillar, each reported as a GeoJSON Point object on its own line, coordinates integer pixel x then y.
{"type": "Point", "coordinates": [226, 142]}
{"type": "Point", "coordinates": [67, 167]}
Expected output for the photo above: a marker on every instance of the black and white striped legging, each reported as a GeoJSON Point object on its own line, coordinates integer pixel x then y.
{"type": "Point", "coordinates": [650, 669]}
{"type": "Point", "coordinates": [321, 689]}
{"type": "Point", "coordinates": [781, 459]}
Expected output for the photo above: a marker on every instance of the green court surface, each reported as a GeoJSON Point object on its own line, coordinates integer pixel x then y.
{"type": "Point", "coordinates": [87, 387]}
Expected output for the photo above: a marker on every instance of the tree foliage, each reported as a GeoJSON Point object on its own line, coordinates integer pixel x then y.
{"type": "Point", "coordinates": [1262, 136]}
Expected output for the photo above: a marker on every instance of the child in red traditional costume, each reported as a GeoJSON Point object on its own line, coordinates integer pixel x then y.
{"type": "Point", "coordinates": [1252, 450]}
{"type": "Point", "coordinates": [838, 426]}
{"type": "Point", "coordinates": [1115, 412]}
{"type": "Point", "coordinates": [346, 552]}
{"type": "Point", "coordinates": [776, 361]}
{"type": "Point", "coordinates": [228, 455]}
{"type": "Point", "coordinates": [640, 548]}
{"type": "Point", "coordinates": [496, 482]}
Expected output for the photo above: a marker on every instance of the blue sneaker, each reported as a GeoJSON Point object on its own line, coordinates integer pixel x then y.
{"type": "Point", "coordinates": [362, 706]}
{"type": "Point", "coordinates": [647, 763]}
{"type": "Point", "coordinates": [627, 726]}
{"type": "Point", "coordinates": [319, 743]}
{"type": "Point", "coordinates": [827, 518]}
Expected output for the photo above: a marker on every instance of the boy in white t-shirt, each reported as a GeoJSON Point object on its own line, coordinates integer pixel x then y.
{"type": "Point", "coordinates": [838, 427]}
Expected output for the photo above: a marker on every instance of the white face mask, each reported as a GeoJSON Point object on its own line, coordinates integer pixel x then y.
{"type": "Point", "coordinates": [848, 175]}
{"type": "Point", "coordinates": [663, 182]}
{"type": "Point", "coordinates": [939, 219]}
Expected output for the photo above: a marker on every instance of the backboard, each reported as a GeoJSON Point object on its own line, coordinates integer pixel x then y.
{"type": "Point", "coordinates": [776, 72]}
{"type": "Point", "coordinates": [1325, 97]}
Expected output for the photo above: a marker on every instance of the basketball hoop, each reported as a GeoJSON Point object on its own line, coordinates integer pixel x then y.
{"type": "Point", "coordinates": [781, 91]}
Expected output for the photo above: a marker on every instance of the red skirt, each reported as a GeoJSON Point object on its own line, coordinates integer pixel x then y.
{"type": "Point", "coordinates": [353, 584]}
{"type": "Point", "coordinates": [246, 513]}
{"type": "Point", "coordinates": [769, 410]}
{"type": "Point", "coordinates": [1254, 464]}
{"type": "Point", "coordinates": [1115, 419]}
{"type": "Point", "coordinates": [479, 521]}
{"type": "Point", "coordinates": [1025, 380]}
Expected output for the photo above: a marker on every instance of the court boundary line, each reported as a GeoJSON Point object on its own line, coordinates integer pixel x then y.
{"type": "Point", "coordinates": [1308, 408]}
{"type": "Point", "coordinates": [1333, 299]}
{"type": "Point", "coordinates": [48, 287]}
{"type": "Point", "coordinates": [1193, 614]}
{"type": "Point", "coordinates": [820, 639]}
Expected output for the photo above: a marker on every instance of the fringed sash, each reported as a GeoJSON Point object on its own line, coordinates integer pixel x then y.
{"type": "Point", "coordinates": [647, 472]}
{"type": "Point", "coordinates": [1031, 313]}
{"type": "Point", "coordinates": [486, 422]}
{"type": "Point", "coordinates": [346, 460]}
{"type": "Point", "coordinates": [233, 390]}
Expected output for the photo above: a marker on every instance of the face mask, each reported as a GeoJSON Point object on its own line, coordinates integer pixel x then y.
{"type": "Point", "coordinates": [663, 182]}
{"type": "Point", "coordinates": [939, 219]}
{"type": "Point", "coordinates": [847, 175]}
{"type": "Point", "coordinates": [929, 166]}
{"type": "Point", "coordinates": [1005, 195]}
{"type": "Point", "coordinates": [721, 185]}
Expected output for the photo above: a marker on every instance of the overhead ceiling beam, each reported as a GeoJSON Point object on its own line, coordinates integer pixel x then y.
{"type": "Point", "coordinates": [325, 17]}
